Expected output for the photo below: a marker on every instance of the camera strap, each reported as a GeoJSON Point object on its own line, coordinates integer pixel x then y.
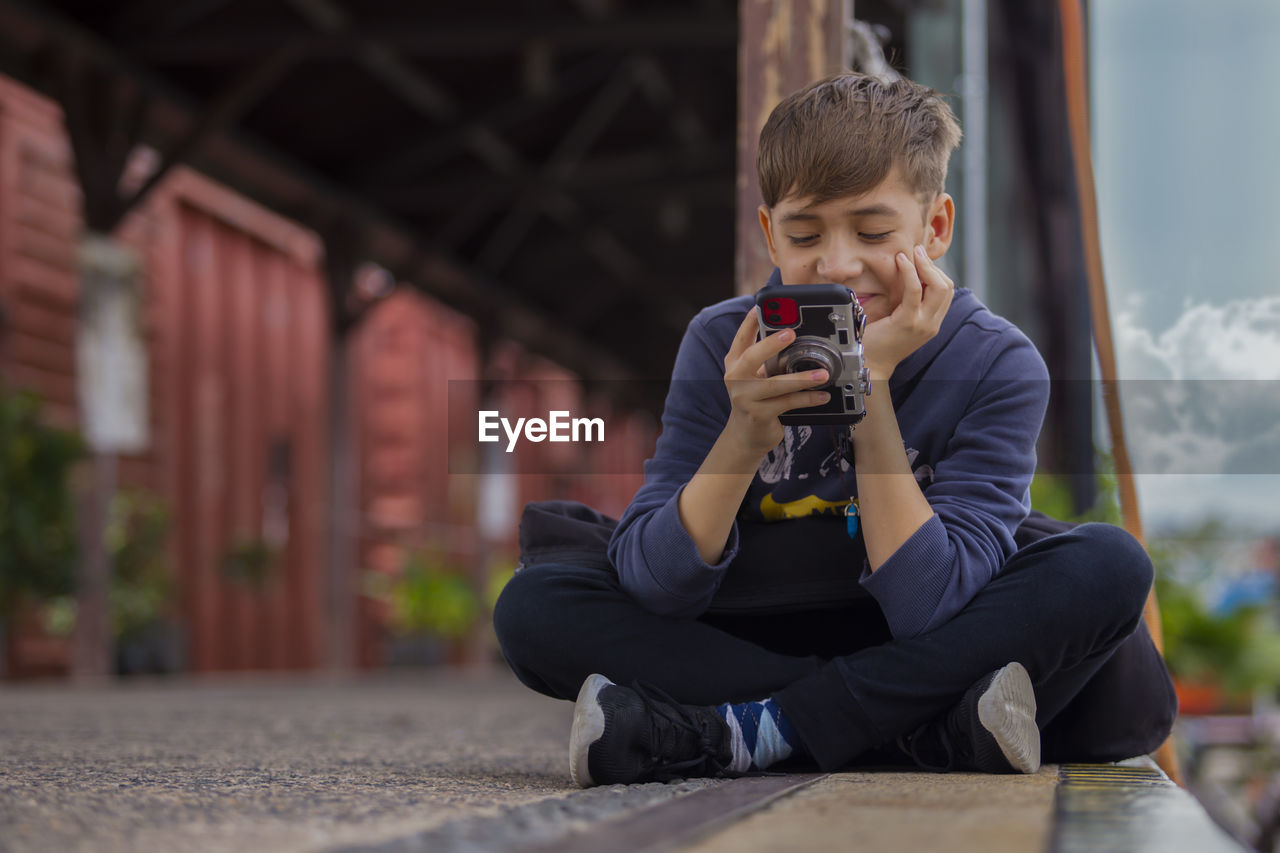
{"type": "Point", "coordinates": [844, 447]}
{"type": "Point", "coordinates": [844, 444]}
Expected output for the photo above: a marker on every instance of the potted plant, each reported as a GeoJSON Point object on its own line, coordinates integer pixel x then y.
{"type": "Point", "coordinates": [1219, 660]}
{"type": "Point", "coordinates": [250, 562]}
{"type": "Point", "coordinates": [142, 587]}
{"type": "Point", "coordinates": [430, 606]}
{"type": "Point", "coordinates": [38, 546]}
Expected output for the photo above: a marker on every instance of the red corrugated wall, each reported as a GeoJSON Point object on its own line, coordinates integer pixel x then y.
{"type": "Point", "coordinates": [236, 327]}
{"type": "Point", "coordinates": [416, 430]}
{"type": "Point", "coordinates": [243, 344]}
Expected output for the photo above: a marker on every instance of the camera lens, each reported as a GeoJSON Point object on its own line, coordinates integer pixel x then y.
{"type": "Point", "coordinates": [771, 305]}
{"type": "Point", "coordinates": [774, 319]}
{"type": "Point", "coordinates": [811, 354]}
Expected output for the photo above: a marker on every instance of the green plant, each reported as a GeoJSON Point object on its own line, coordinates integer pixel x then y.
{"type": "Point", "coordinates": [498, 576]}
{"type": "Point", "coordinates": [37, 519]}
{"type": "Point", "coordinates": [1238, 650]}
{"type": "Point", "coordinates": [141, 583]}
{"type": "Point", "coordinates": [1051, 494]}
{"type": "Point", "coordinates": [250, 562]}
{"type": "Point", "coordinates": [429, 596]}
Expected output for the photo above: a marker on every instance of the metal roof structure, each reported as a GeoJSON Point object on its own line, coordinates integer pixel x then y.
{"type": "Point", "coordinates": [563, 172]}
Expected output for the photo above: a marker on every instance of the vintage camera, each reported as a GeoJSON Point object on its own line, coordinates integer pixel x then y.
{"type": "Point", "coordinates": [828, 322]}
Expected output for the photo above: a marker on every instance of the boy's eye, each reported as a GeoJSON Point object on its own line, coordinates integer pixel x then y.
{"type": "Point", "coordinates": [802, 239]}
{"type": "Point", "coordinates": [874, 237]}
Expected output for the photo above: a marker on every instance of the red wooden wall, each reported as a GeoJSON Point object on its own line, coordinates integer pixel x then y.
{"type": "Point", "coordinates": [236, 327]}
{"type": "Point", "coordinates": [418, 437]}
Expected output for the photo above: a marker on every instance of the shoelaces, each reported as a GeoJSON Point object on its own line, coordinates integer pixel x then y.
{"type": "Point", "coordinates": [671, 723]}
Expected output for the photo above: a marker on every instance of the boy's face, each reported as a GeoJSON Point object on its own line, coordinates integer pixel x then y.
{"type": "Point", "coordinates": [853, 240]}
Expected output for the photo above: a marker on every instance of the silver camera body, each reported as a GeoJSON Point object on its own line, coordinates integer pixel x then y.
{"type": "Point", "coordinates": [828, 322]}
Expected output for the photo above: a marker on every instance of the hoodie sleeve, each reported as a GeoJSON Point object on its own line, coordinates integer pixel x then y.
{"type": "Point", "coordinates": [979, 495]}
{"type": "Point", "coordinates": [657, 561]}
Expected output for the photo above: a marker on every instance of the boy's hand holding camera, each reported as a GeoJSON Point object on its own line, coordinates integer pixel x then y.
{"type": "Point", "coordinates": [758, 399]}
{"type": "Point", "coordinates": [710, 500]}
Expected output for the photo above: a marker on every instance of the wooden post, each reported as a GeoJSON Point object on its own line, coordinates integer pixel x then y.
{"type": "Point", "coordinates": [782, 46]}
{"type": "Point", "coordinates": [111, 375]}
{"type": "Point", "coordinates": [341, 258]}
{"type": "Point", "coordinates": [1075, 66]}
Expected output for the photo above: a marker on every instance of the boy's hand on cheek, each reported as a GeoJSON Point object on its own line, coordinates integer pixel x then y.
{"type": "Point", "coordinates": [926, 296]}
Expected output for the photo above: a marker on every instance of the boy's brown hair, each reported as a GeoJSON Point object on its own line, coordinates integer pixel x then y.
{"type": "Point", "coordinates": [844, 135]}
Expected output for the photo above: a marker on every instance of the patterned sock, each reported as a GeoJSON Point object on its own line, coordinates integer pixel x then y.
{"type": "Point", "coordinates": [762, 736]}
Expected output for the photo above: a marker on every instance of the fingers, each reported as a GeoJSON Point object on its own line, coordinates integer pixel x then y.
{"type": "Point", "coordinates": [912, 289]}
{"type": "Point", "coordinates": [746, 356]}
{"type": "Point", "coordinates": [746, 333]}
{"type": "Point", "coordinates": [937, 286]}
{"type": "Point", "coordinates": [769, 403]}
{"type": "Point", "coordinates": [797, 400]}
{"type": "Point", "coordinates": [786, 383]}
{"type": "Point", "coordinates": [926, 297]}
{"type": "Point", "coordinates": [926, 289]}
{"type": "Point", "coordinates": [746, 392]}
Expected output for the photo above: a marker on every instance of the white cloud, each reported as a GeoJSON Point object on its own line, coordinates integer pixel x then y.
{"type": "Point", "coordinates": [1236, 340]}
{"type": "Point", "coordinates": [1171, 501]}
{"type": "Point", "coordinates": [1202, 410]}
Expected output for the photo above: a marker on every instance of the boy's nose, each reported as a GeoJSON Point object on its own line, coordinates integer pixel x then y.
{"type": "Point", "coordinates": [840, 266]}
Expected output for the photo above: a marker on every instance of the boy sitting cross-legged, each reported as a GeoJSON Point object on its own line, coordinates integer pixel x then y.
{"type": "Point", "coordinates": [923, 630]}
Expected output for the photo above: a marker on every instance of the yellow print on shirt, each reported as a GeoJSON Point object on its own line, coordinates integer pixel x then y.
{"type": "Point", "coordinates": [771, 510]}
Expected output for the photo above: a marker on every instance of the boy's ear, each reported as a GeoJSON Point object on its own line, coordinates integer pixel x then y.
{"type": "Point", "coordinates": [766, 222]}
{"type": "Point", "coordinates": [940, 224]}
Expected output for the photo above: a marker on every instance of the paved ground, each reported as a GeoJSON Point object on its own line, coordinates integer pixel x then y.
{"type": "Point", "coordinates": [291, 765]}
{"type": "Point", "coordinates": [439, 762]}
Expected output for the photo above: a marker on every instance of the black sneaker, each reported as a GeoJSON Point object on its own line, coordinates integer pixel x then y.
{"type": "Point", "coordinates": [993, 729]}
{"type": "Point", "coordinates": [622, 735]}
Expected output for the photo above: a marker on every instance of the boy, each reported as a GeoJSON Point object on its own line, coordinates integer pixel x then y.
{"type": "Point", "coordinates": [752, 620]}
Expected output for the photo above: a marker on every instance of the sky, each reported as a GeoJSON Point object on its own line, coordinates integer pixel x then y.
{"type": "Point", "coordinates": [1186, 127]}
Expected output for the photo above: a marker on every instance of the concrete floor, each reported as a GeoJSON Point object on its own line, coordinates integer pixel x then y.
{"type": "Point", "coordinates": [418, 761]}
{"type": "Point", "coordinates": [275, 764]}
{"type": "Point", "coordinates": [956, 813]}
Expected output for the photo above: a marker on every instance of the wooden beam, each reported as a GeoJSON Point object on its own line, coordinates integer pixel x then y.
{"type": "Point", "coordinates": [154, 18]}
{"type": "Point", "coordinates": [422, 151]}
{"type": "Point", "coordinates": [583, 133]}
{"type": "Point", "coordinates": [423, 95]}
{"type": "Point", "coordinates": [643, 188]}
{"type": "Point", "coordinates": [105, 114]}
{"type": "Point", "coordinates": [236, 100]}
{"type": "Point", "coordinates": [86, 94]}
{"type": "Point", "coordinates": [414, 39]}
{"type": "Point", "coordinates": [313, 199]}
{"type": "Point", "coordinates": [784, 45]}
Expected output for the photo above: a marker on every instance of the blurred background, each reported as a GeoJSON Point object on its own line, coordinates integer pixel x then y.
{"type": "Point", "coordinates": [261, 262]}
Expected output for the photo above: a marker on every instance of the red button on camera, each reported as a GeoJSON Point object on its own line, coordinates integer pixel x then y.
{"type": "Point", "coordinates": [781, 311]}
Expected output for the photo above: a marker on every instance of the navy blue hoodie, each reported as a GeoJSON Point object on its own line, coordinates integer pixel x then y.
{"type": "Point", "coordinates": [969, 404]}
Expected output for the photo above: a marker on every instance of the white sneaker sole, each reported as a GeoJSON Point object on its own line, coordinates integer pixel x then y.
{"type": "Point", "coordinates": [588, 727]}
{"type": "Point", "coordinates": [1007, 709]}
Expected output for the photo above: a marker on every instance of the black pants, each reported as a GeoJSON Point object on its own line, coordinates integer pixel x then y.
{"type": "Point", "coordinates": [1069, 608]}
